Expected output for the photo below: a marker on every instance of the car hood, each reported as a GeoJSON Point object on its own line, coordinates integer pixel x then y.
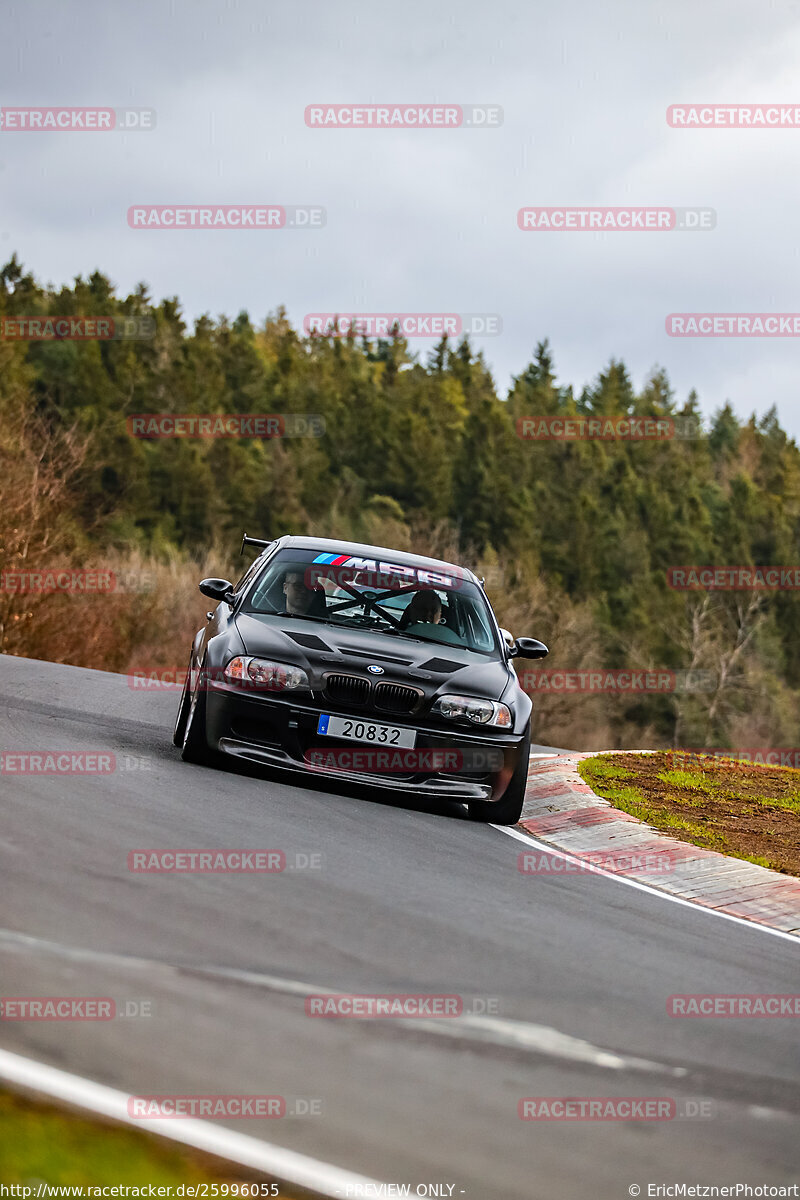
{"type": "Point", "coordinates": [319, 648]}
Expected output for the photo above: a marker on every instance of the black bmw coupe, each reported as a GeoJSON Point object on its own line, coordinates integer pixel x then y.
{"type": "Point", "coordinates": [365, 664]}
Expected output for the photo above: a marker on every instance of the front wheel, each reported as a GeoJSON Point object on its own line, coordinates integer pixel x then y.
{"type": "Point", "coordinates": [508, 810]}
{"type": "Point", "coordinates": [195, 748]}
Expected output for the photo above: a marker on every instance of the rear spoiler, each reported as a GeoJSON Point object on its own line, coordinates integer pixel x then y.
{"type": "Point", "coordinates": [248, 541]}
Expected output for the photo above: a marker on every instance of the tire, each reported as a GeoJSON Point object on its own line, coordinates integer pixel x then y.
{"type": "Point", "coordinates": [179, 731]}
{"type": "Point", "coordinates": [508, 810]}
{"type": "Point", "coordinates": [195, 747]}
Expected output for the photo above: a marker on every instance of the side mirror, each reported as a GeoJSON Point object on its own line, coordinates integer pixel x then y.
{"type": "Point", "coordinates": [217, 589]}
{"type": "Point", "coordinates": [526, 647]}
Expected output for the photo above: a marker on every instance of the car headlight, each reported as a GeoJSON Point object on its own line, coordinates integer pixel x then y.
{"type": "Point", "coordinates": [479, 712]}
{"type": "Point", "coordinates": [265, 676]}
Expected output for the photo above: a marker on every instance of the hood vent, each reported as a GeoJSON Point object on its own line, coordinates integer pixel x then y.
{"type": "Point", "coordinates": [441, 666]}
{"type": "Point", "coordinates": [308, 640]}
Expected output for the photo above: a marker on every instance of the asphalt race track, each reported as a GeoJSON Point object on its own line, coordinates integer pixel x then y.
{"type": "Point", "coordinates": [574, 970]}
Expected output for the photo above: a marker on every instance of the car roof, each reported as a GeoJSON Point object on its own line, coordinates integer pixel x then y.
{"type": "Point", "coordinates": [363, 550]}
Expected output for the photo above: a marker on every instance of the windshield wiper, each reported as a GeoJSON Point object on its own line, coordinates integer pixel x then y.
{"type": "Point", "coordinates": [292, 616]}
{"type": "Point", "coordinates": [412, 637]}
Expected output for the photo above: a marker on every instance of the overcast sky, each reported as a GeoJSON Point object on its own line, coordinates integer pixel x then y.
{"type": "Point", "coordinates": [425, 220]}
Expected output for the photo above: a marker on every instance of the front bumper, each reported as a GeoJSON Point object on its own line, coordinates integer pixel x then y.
{"type": "Point", "coordinates": [279, 733]}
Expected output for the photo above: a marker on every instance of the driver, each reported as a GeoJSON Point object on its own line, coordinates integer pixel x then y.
{"type": "Point", "coordinates": [301, 600]}
{"type": "Point", "coordinates": [424, 607]}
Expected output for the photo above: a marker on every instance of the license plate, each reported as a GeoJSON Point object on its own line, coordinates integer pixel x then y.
{"type": "Point", "coordinates": [366, 731]}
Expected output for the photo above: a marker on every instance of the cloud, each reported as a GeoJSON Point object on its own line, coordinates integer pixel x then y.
{"type": "Point", "coordinates": [426, 220]}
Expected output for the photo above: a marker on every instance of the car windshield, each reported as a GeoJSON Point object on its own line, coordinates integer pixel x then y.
{"type": "Point", "coordinates": [437, 605]}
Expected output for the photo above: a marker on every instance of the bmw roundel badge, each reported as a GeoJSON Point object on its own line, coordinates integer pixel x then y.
{"type": "Point", "coordinates": [373, 670]}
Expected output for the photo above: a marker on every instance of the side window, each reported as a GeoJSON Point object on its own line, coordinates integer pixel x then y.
{"type": "Point", "coordinates": [259, 600]}
{"type": "Point", "coordinates": [249, 575]}
{"type": "Point", "coordinates": [478, 630]}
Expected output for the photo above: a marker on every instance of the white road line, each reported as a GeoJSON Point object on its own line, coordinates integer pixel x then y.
{"type": "Point", "coordinates": [548, 848]}
{"type": "Point", "coordinates": [496, 1031]}
{"type": "Point", "coordinates": [285, 1165]}
{"type": "Point", "coordinates": [541, 1039]}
